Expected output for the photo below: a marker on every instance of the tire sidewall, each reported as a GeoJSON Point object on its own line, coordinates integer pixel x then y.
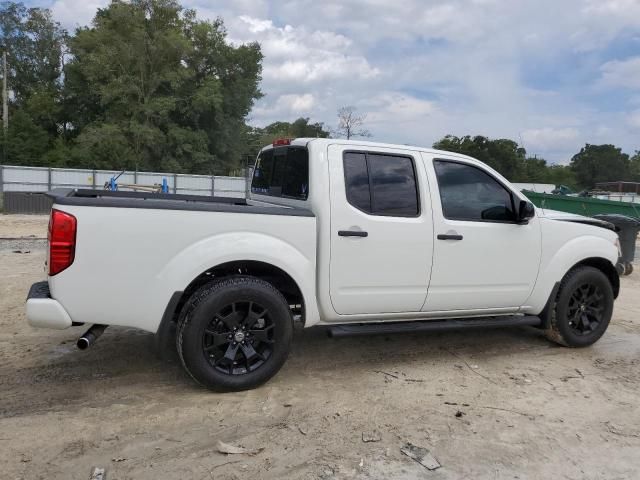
{"type": "Point", "coordinates": [590, 276]}
{"type": "Point", "coordinates": [212, 299]}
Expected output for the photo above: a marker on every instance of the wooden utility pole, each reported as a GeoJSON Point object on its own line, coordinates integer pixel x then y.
{"type": "Point", "coordinates": [5, 97]}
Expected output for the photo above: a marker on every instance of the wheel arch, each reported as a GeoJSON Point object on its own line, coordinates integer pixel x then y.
{"type": "Point", "coordinates": [268, 272]}
{"type": "Point", "coordinates": [605, 267]}
{"type": "Point", "coordinates": [599, 263]}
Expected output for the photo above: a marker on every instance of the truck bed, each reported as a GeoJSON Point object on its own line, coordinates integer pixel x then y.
{"type": "Point", "coordinates": [168, 201]}
{"type": "Point", "coordinates": [137, 249]}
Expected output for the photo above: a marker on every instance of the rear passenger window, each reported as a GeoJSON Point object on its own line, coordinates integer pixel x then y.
{"type": "Point", "coordinates": [469, 193]}
{"type": "Point", "coordinates": [381, 184]}
{"type": "Point", "coordinates": [282, 172]}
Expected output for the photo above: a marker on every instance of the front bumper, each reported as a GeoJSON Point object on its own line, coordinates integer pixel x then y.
{"type": "Point", "coordinates": [43, 311]}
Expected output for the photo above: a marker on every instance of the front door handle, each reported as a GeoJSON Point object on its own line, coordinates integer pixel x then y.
{"type": "Point", "coordinates": [352, 233]}
{"type": "Point", "coordinates": [449, 236]}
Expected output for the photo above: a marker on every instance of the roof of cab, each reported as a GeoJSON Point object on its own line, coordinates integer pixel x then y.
{"type": "Point", "coordinates": [303, 142]}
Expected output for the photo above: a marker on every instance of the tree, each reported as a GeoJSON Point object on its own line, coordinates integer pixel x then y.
{"type": "Point", "coordinates": [600, 163]}
{"type": "Point", "coordinates": [299, 128]}
{"type": "Point", "coordinates": [634, 166]}
{"type": "Point", "coordinates": [502, 154]}
{"type": "Point", "coordinates": [350, 124]}
{"type": "Point", "coordinates": [164, 89]}
{"type": "Point", "coordinates": [561, 175]}
{"type": "Point", "coordinates": [33, 42]}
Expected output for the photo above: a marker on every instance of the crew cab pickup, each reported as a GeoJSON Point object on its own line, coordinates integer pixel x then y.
{"type": "Point", "coordinates": [359, 237]}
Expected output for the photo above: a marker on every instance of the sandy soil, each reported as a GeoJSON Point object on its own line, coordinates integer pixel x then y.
{"type": "Point", "coordinates": [491, 404]}
{"type": "Point", "coordinates": [23, 225]}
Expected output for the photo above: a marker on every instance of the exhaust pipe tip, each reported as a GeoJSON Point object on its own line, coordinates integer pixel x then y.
{"type": "Point", "coordinates": [90, 336]}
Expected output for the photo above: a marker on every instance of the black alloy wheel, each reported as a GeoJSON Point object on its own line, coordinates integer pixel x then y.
{"type": "Point", "coordinates": [234, 333]}
{"type": "Point", "coordinates": [585, 309]}
{"type": "Point", "coordinates": [240, 338]}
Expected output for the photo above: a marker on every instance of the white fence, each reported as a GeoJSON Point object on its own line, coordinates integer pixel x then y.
{"type": "Point", "coordinates": [42, 179]}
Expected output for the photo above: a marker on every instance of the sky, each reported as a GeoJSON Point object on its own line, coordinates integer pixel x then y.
{"type": "Point", "coordinates": [550, 74]}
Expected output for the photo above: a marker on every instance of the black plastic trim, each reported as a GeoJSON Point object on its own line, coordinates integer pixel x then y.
{"type": "Point", "coordinates": [39, 290]}
{"type": "Point", "coordinates": [165, 335]}
{"type": "Point", "coordinates": [545, 315]}
{"type": "Point", "coordinates": [352, 233]}
{"type": "Point", "coordinates": [448, 236]}
{"type": "Point", "coordinates": [433, 325]}
{"type": "Point", "coordinates": [159, 201]}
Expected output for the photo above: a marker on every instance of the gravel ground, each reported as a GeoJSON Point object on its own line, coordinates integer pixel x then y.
{"type": "Point", "coordinates": [489, 404]}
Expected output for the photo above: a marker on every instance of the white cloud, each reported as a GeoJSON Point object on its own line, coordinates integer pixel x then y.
{"type": "Point", "coordinates": [298, 55]}
{"type": "Point", "coordinates": [73, 13]}
{"type": "Point", "coordinates": [397, 107]}
{"type": "Point", "coordinates": [546, 139]}
{"type": "Point", "coordinates": [421, 69]}
{"type": "Point", "coordinates": [298, 104]}
{"type": "Point", "coordinates": [634, 120]}
{"type": "Point", "coordinates": [622, 73]}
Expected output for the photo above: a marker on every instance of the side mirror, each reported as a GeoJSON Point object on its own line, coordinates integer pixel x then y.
{"type": "Point", "coordinates": [526, 210]}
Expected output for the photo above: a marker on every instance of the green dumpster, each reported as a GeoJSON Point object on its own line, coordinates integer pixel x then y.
{"type": "Point", "coordinates": [582, 205]}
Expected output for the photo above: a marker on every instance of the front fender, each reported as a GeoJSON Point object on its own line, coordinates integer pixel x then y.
{"type": "Point", "coordinates": [553, 269]}
{"type": "Point", "coordinates": [201, 256]}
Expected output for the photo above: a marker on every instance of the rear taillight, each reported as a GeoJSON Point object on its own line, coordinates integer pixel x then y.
{"type": "Point", "coordinates": [62, 241]}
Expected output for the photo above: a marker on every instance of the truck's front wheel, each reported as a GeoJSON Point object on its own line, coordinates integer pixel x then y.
{"type": "Point", "coordinates": [582, 309]}
{"type": "Point", "coordinates": [235, 333]}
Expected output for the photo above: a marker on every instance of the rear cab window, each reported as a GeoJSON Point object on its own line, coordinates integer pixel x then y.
{"type": "Point", "coordinates": [282, 172]}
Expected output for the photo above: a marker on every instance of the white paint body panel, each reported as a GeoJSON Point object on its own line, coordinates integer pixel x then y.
{"type": "Point", "coordinates": [47, 313]}
{"type": "Point", "coordinates": [387, 271]}
{"type": "Point", "coordinates": [495, 265]}
{"type": "Point", "coordinates": [130, 261]}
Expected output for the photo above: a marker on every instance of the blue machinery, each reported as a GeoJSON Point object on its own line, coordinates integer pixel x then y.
{"type": "Point", "coordinates": [112, 185]}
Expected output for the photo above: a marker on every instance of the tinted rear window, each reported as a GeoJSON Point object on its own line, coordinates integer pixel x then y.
{"type": "Point", "coordinates": [282, 172]}
{"type": "Point", "coordinates": [381, 184]}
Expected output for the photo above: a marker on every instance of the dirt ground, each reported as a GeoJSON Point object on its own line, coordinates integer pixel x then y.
{"type": "Point", "coordinates": [16, 226]}
{"type": "Point", "coordinates": [490, 404]}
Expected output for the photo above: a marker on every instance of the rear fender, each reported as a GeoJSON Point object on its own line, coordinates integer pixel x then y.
{"type": "Point", "coordinates": [199, 257]}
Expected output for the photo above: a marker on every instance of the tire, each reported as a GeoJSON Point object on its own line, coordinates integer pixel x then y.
{"type": "Point", "coordinates": [234, 333]}
{"type": "Point", "coordinates": [582, 309]}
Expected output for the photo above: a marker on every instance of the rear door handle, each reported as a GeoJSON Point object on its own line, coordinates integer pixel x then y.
{"type": "Point", "coordinates": [352, 233]}
{"type": "Point", "coordinates": [449, 236]}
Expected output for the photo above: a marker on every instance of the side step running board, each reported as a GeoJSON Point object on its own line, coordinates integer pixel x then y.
{"type": "Point", "coordinates": [433, 325]}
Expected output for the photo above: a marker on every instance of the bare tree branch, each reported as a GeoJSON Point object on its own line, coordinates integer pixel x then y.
{"type": "Point", "coordinates": [350, 124]}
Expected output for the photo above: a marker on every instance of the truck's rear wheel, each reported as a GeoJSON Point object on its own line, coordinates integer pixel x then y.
{"type": "Point", "coordinates": [582, 309]}
{"type": "Point", "coordinates": [235, 333]}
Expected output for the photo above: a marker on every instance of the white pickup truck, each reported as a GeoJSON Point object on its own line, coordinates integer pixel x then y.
{"type": "Point", "coordinates": [356, 236]}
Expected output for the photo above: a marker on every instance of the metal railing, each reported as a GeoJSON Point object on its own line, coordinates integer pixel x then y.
{"type": "Point", "coordinates": [43, 179]}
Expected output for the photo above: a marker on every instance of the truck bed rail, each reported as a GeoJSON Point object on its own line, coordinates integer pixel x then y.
{"type": "Point", "coordinates": [166, 201]}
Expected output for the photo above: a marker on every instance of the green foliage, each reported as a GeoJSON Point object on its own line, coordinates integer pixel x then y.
{"type": "Point", "coordinates": [502, 154]}
{"type": "Point", "coordinates": [167, 91]}
{"type": "Point", "coordinates": [600, 163]}
{"type": "Point", "coordinates": [26, 142]}
{"type": "Point", "coordinates": [34, 43]}
{"type": "Point", "coordinates": [509, 159]}
{"type": "Point", "coordinates": [300, 128]}
{"type": "Point", "coordinates": [146, 86]}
